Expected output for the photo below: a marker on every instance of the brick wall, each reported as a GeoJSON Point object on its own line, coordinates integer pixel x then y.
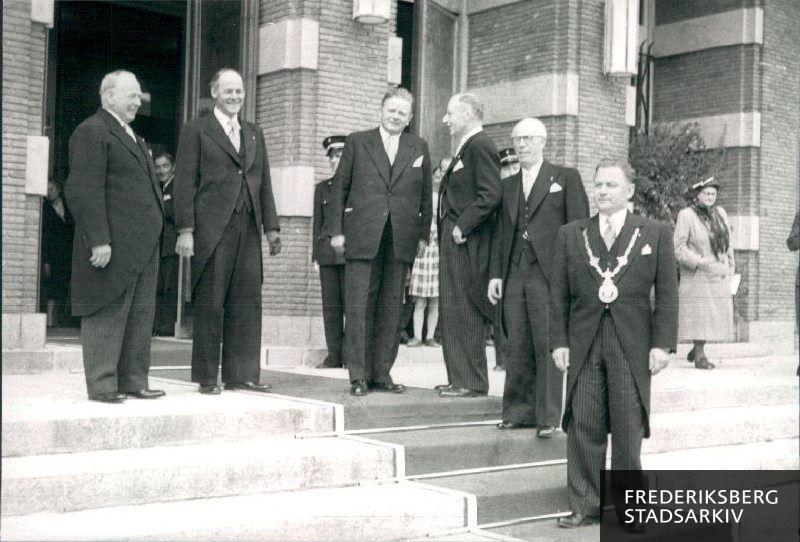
{"type": "Point", "coordinates": [778, 166]}
{"type": "Point", "coordinates": [672, 11]}
{"type": "Point", "coordinates": [297, 109]}
{"type": "Point", "coordinates": [23, 90]}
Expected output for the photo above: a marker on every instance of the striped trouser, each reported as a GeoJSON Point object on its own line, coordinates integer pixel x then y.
{"type": "Point", "coordinates": [116, 339]}
{"type": "Point", "coordinates": [463, 325]}
{"type": "Point", "coordinates": [605, 400]}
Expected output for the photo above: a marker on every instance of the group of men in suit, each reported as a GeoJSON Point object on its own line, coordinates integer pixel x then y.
{"type": "Point", "coordinates": [220, 201]}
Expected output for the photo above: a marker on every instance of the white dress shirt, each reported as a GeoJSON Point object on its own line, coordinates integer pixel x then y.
{"type": "Point", "coordinates": [466, 137]}
{"type": "Point", "coordinates": [230, 125]}
{"type": "Point", "coordinates": [529, 177]}
{"type": "Point", "coordinates": [616, 220]}
{"type": "Point", "coordinates": [125, 125]}
{"type": "Point", "coordinates": [390, 144]}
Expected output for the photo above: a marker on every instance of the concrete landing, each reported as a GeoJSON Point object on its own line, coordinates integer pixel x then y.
{"type": "Point", "coordinates": [371, 512]}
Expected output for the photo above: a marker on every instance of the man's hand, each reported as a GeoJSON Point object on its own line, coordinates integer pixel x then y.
{"type": "Point", "coordinates": [184, 246]}
{"type": "Point", "coordinates": [659, 359]}
{"type": "Point", "coordinates": [457, 237]}
{"type": "Point", "coordinates": [421, 246]}
{"type": "Point", "coordinates": [101, 255]}
{"type": "Point", "coordinates": [561, 358]}
{"type": "Point", "coordinates": [274, 240]}
{"type": "Point", "coordinates": [495, 292]}
{"type": "Point", "coordinates": [337, 242]}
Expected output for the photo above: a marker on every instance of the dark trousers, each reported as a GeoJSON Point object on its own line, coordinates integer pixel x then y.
{"type": "Point", "coordinates": [167, 296]}
{"type": "Point", "coordinates": [605, 400]}
{"type": "Point", "coordinates": [331, 280]}
{"type": "Point", "coordinates": [533, 385]}
{"type": "Point", "coordinates": [116, 339]}
{"type": "Point", "coordinates": [373, 307]}
{"type": "Point", "coordinates": [227, 307]}
{"type": "Point", "coordinates": [463, 326]}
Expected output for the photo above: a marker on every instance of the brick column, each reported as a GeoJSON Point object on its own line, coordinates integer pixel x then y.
{"type": "Point", "coordinates": [24, 150]}
{"type": "Point", "coordinates": [320, 73]}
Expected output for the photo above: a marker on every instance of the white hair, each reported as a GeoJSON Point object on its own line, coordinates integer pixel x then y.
{"type": "Point", "coordinates": [109, 83]}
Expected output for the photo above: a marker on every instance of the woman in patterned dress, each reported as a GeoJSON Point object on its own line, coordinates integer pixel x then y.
{"type": "Point", "coordinates": [424, 287]}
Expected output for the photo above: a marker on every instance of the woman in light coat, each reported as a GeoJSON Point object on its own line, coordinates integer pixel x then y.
{"type": "Point", "coordinates": [704, 252]}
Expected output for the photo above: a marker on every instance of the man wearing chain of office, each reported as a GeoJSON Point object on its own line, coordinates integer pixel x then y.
{"type": "Point", "coordinates": [608, 334]}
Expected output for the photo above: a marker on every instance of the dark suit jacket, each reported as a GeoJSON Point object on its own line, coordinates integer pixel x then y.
{"type": "Point", "coordinates": [470, 192]}
{"type": "Point", "coordinates": [115, 199]}
{"type": "Point", "coordinates": [370, 191]}
{"type": "Point", "coordinates": [208, 180]}
{"type": "Point", "coordinates": [321, 250]}
{"type": "Point", "coordinates": [793, 242]}
{"type": "Point", "coordinates": [169, 236]}
{"type": "Point", "coordinates": [551, 210]}
{"type": "Point", "coordinates": [575, 309]}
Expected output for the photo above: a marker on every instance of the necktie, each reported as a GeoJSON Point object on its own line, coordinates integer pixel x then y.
{"type": "Point", "coordinates": [527, 183]}
{"type": "Point", "coordinates": [390, 146]}
{"type": "Point", "coordinates": [129, 131]}
{"type": "Point", "coordinates": [609, 236]}
{"type": "Point", "coordinates": [233, 134]}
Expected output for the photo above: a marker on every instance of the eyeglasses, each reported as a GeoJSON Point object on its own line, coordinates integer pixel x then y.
{"type": "Point", "coordinates": [528, 139]}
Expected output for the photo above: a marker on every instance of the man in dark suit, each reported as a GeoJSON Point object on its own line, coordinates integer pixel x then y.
{"type": "Point", "coordinates": [167, 292]}
{"type": "Point", "coordinates": [381, 221]}
{"type": "Point", "coordinates": [538, 200]}
{"type": "Point", "coordinates": [468, 199]}
{"type": "Point", "coordinates": [329, 263]}
{"type": "Point", "coordinates": [608, 334]}
{"type": "Point", "coordinates": [223, 201]}
{"type": "Point", "coordinates": [116, 202]}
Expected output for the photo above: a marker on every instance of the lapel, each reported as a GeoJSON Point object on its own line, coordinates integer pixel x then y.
{"type": "Point", "coordinates": [375, 149]}
{"type": "Point", "coordinates": [120, 133]}
{"type": "Point", "coordinates": [249, 140]}
{"type": "Point", "coordinates": [541, 187]}
{"type": "Point", "coordinates": [592, 229]}
{"type": "Point", "coordinates": [214, 130]}
{"type": "Point", "coordinates": [512, 187]}
{"type": "Point", "coordinates": [454, 161]}
{"type": "Point", "coordinates": [151, 170]}
{"type": "Point", "coordinates": [403, 159]}
{"type": "Point", "coordinates": [623, 239]}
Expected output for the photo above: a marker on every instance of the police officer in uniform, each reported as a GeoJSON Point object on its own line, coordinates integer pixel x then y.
{"type": "Point", "coordinates": [509, 162]}
{"type": "Point", "coordinates": [328, 262]}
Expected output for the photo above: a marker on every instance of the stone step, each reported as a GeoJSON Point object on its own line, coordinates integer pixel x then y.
{"type": "Point", "coordinates": [779, 454]}
{"type": "Point", "coordinates": [720, 427]}
{"type": "Point", "coordinates": [49, 414]}
{"type": "Point", "coordinates": [50, 359]}
{"type": "Point", "coordinates": [79, 481]}
{"type": "Point", "coordinates": [370, 512]}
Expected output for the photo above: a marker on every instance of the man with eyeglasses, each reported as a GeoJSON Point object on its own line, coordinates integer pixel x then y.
{"type": "Point", "coordinates": [535, 203]}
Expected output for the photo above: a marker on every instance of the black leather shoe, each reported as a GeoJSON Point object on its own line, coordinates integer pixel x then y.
{"type": "Point", "coordinates": [358, 388]}
{"type": "Point", "coordinates": [110, 397]}
{"type": "Point", "coordinates": [210, 389]}
{"type": "Point", "coordinates": [383, 387]}
{"type": "Point", "coordinates": [459, 392]}
{"type": "Point", "coordinates": [441, 387]}
{"type": "Point", "coordinates": [513, 425]}
{"type": "Point", "coordinates": [146, 394]}
{"type": "Point", "coordinates": [577, 520]}
{"type": "Point", "coordinates": [249, 386]}
{"type": "Point", "coordinates": [546, 431]}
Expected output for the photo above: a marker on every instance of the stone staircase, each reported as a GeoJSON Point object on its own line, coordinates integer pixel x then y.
{"type": "Point", "coordinates": [194, 467]}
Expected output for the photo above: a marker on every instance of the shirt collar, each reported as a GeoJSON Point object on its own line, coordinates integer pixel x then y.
{"type": "Point", "coordinates": [617, 220]}
{"type": "Point", "coordinates": [466, 136]}
{"type": "Point", "coordinates": [122, 123]}
{"type": "Point", "coordinates": [534, 170]}
{"type": "Point", "coordinates": [385, 136]}
{"type": "Point", "coordinates": [224, 120]}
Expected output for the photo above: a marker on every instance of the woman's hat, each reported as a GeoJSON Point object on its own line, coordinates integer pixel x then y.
{"type": "Point", "coordinates": [711, 181]}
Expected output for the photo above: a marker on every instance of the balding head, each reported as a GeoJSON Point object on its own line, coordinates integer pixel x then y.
{"type": "Point", "coordinates": [120, 92]}
{"type": "Point", "coordinates": [529, 136]}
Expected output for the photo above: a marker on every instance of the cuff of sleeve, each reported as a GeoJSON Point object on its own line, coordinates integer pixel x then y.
{"type": "Point", "coordinates": [186, 230]}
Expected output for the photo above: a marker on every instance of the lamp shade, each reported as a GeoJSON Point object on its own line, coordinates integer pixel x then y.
{"type": "Point", "coordinates": [621, 36]}
{"type": "Point", "coordinates": [371, 11]}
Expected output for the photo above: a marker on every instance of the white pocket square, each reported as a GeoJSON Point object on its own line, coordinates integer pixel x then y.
{"type": "Point", "coordinates": [459, 165]}
{"type": "Point", "coordinates": [167, 197]}
{"type": "Point", "coordinates": [646, 250]}
{"type": "Point", "coordinates": [348, 210]}
{"type": "Point", "coordinates": [555, 187]}
{"type": "Point", "coordinates": [418, 162]}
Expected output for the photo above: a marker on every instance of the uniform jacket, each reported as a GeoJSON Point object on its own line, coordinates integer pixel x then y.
{"type": "Point", "coordinates": [369, 191]}
{"type": "Point", "coordinates": [321, 250]}
{"type": "Point", "coordinates": [470, 193]}
{"type": "Point", "coordinates": [169, 236]}
{"type": "Point", "coordinates": [115, 199]}
{"type": "Point", "coordinates": [208, 180]}
{"type": "Point", "coordinates": [576, 310]}
{"type": "Point", "coordinates": [557, 197]}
